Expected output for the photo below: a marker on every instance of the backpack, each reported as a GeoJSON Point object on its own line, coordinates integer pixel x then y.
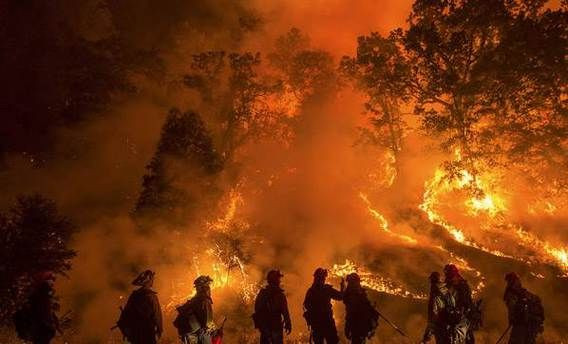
{"type": "Point", "coordinates": [452, 316]}
{"type": "Point", "coordinates": [185, 322]}
{"type": "Point", "coordinates": [534, 312]}
{"type": "Point", "coordinates": [266, 310]}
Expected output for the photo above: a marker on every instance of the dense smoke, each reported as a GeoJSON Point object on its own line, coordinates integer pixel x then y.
{"type": "Point", "coordinates": [309, 191]}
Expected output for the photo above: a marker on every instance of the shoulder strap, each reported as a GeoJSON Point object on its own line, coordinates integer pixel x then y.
{"type": "Point", "coordinates": [449, 300]}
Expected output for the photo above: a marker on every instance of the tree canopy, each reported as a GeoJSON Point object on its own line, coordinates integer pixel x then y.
{"type": "Point", "coordinates": [181, 170]}
{"type": "Point", "coordinates": [486, 77]}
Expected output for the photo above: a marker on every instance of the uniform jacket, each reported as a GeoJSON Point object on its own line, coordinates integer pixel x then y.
{"type": "Point", "coordinates": [358, 311]}
{"type": "Point", "coordinates": [271, 307]}
{"type": "Point", "coordinates": [318, 302]}
{"type": "Point", "coordinates": [437, 314]}
{"type": "Point", "coordinates": [144, 309]}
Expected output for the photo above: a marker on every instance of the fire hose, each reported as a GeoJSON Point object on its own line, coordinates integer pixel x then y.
{"type": "Point", "coordinates": [504, 334]}
{"type": "Point", "coordinates": [396, 328]}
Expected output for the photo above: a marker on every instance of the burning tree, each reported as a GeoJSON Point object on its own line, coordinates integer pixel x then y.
{"type": "Point", "coordinates": [238, 96]}
{"type": "Point", "coordinates": [487, 81]}
{"type": "Point", "coordinates": [306, 71]}
{"type": "Point", "coordinates": [489, 77]}
{"type": "Point", "coordinates": [382, 72]}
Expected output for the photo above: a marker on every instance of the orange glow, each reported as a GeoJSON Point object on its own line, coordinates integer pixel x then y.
{"type": "Point", "coordinates": [373, 281]}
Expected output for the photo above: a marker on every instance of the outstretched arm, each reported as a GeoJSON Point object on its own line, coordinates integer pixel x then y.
{"type": "Point", "coordinates": [335, 294]}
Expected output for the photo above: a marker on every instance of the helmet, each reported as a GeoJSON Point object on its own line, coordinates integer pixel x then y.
{"type": "Point", "coordinates": [353, 278]}
{"type": "Point", "coordinates": [512, 277]}
{"type": "Point", "coordinates": [451, 270]}
{"type": "Point", "coordinates": [273, 276]}
{"type": "Point", "coordinates": [434, 277]}
{"type": "Point", "coordinates": [144, 278]}
{"type": "Point", "coordinates": [202, 281]}
{"type": "Point", "coordinates": [320, 273]}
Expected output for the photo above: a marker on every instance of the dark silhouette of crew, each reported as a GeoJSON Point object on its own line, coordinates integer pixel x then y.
{"type": "Point", "coordinates": [437, 311]}
{"type": "Point", "coordinates": [271, 314]}
{"type": "Point", "coordinates": [458, 307]}
{"type": "Point", "coordinates": [361, 318]}
{"type": "Point", "coordinates": [195, 317]}
{"type": "Point", "coordinates": [526, 314]}
{"type": "Point", "coordinates": [318, 312]}
{"type": "Point", "coordinates": [141, 319]}
{"type": "Point", "coordinates": [37, 320]}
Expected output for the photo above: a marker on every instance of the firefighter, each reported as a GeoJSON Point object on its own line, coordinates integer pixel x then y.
{"type": "Point", "coordinates": [141, 319]}
{"type": "Point", "coordinates": [197, 314]}
{"type": "Point", "coordinates": [458, 307]}
{"type": "Point", "coordinates": [526, 314]}
{"type": "Point", "coordinates": [361, 318]}
{"type": "Point", "coordinates": [318, 312]}
{"type": "Point", "coordinates": [271, 314]}
{"type": "Point", "coordinates": [436, 311]}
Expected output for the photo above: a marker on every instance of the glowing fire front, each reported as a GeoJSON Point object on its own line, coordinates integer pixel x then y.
{"type": "Point", "coordinates": [486, 202]}
{"type": "Point", "coordinates": [383, 223]}
{"type": "Point", "coordinates": [223, 261]}
{"type": "Point", "coordinates": [384, 226]}
{"type": "Point", "coordinates": [373, 281]}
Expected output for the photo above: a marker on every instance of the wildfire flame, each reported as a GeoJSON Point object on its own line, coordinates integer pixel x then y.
{"type": "Point", "coordinates": [486, 202]}
{"type": "Point", "coordinates": [373, 281]}
{"type": "Point", "coordinates": [223, 223]}
{"type": "Point", "coordinates": [460, 262]}
{"type": "Point", "coordinates": [219, 263]}
{"type": "Point", "coordinates": [383, 223]}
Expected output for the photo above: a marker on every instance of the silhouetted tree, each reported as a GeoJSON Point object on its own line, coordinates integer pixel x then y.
{"type": "Point", "coordinates": [528, 75]}
{"type": "Point", "coordinates": [381, 71]}
{"type": "Point", "coordinates": [307, 71]}
{"type": "Point", "coordinates": [181, 171]}
{"type": "Point", "coordinates": [239, 97]}
{"type": "Point", "coordinates": [489, 77]}
{"type": "Point", "coordinates": [287, 47]}
{"type": "Point", "coordinates": [34, 237]}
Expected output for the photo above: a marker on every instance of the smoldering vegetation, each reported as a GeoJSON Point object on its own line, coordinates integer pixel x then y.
{"type": "Point", "coordinates": [230, 137]}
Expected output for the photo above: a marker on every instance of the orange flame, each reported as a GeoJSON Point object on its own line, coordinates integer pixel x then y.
{"type": "Point", "coordinates": [487, 202]}
{"type": "Point", "coordinates": [383, 223]}
{"type": "Point", "coordinates": [374, 282]}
